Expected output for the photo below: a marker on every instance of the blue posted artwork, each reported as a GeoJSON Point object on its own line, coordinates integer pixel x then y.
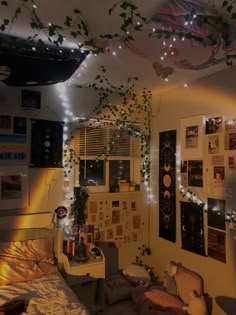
{"type": "Point", "coordinates": [12, 147]}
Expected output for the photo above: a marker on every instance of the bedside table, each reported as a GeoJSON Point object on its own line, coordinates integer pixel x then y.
{"type": "Point", "coordinates": [91, 267]}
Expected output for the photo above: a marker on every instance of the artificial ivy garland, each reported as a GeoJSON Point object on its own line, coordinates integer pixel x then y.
{"type": "Point", "coordinates": [124, 115]}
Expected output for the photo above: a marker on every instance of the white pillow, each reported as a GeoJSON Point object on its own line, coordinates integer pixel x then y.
{"type": "Point", "coordinates": [136, 272]}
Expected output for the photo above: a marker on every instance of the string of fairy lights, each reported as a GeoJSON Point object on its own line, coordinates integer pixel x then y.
{"type": "Point", "coordinates": [168, 51]}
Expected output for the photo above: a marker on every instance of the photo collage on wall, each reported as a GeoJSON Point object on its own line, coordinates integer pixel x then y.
{"type": "Point", "coordinates": [207, 165]}
{"type": "Point", "coordinates": [119, 220]}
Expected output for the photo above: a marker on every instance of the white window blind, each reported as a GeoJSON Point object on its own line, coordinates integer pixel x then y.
{"type": "Point", "coordinates": [95, 141]}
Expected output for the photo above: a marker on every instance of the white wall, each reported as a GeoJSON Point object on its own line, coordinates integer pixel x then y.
{"type": "Point", "coordinates": [44, 186]}
{"type": "Point", "coordinates": [214, 96]}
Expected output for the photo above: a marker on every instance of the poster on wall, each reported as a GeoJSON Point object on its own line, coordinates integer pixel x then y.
{"type": "Point", "coordinates": [216, 245]}
{"type": "Point", "coordinates": [13, 187]}
{"type": "Point", "coordinates": [192, 227]}
{"type": "Point", "coordinates": [214, 125]}
{"type": "Point", "coordinates": [213, 144]}
{"type": "Point", "coordinates": [192, 137]}
{"type": "Point", "coordinates": [167, 185]}
{"type": "Point", "coordinates": [5, 123]}
{"type": "Point", "coordinates": [216, 213]}
{"type": "Point", "coordinates": [195, 173]}
{"type": "Point", "coordinates": [230, 134]}
{"type": "Point", "coordinates": [12, 147]}
{"type": "Point", "coordinates": [46, 143]}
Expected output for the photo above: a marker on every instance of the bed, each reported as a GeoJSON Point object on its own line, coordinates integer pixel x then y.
{"type": "Point", "coordinates": [30, 263]}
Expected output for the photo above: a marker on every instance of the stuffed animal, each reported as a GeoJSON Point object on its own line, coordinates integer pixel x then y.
{"type": "Point", "coordinates": [197, 305]}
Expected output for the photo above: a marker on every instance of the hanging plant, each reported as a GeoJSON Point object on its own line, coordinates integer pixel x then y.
{"type": "Point", "coordinates": [78, 206]}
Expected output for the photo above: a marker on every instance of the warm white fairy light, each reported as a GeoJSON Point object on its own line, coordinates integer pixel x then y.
{"type": "Point", "coordinates": [162, 58]}
{"type": "Point", "coordinates": [34, 6]}
{"type": "Point", "coordinates": [154, 30]}
{"type": "Point", "coordinates": [185, 85]}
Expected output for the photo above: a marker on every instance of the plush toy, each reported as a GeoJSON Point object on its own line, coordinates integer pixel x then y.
{"type": "Point", "coordinates": [59, 216]}
{"type": "Point", "coordinates": [197, 305]}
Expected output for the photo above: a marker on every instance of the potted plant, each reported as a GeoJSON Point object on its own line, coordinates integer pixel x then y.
{"type": "Point", "coordinates": [78, 206]}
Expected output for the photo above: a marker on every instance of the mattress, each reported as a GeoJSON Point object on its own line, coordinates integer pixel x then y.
{"type": "Point", "coordinates": [47, 295]}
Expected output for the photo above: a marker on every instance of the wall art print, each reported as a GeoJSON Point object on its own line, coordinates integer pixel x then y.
{"type": "Point", "coordinates": [167, 185]}
{"type": "Point", "coordinates": [195, 173]}
{"type": "Point", "coordinates": [192, 137]}
{"type": "Point", "coordinates": [216, 213]}
{"type": "Point", "coordinates": [216, 245]}
{"type": "Point", "coordinates": [12, 147]}
{"type": "Point", "coordinates": [192, 227]}
{"type": "Point", "coordinates": [46, 143]}
{"type": "Point", "coordinates": [14, 187]}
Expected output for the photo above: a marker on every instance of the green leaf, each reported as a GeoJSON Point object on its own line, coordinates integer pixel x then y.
{"type": "Point", "coordinates": [112, 9]}
{"type": "Point", "coordinates": [229, 8]}
{"type": "Point", "coordinates": [224, 4]}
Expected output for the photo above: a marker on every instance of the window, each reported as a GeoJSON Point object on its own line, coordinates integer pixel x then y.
{"type": "Point", "coordinates": [92, 173]}
{"type": "Point", "coordinates": [123, 160]}
{"type": "Point", "coordinates": [119, 170]}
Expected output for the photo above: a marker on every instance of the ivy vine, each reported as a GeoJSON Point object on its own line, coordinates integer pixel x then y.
{"type": "Point", "coordinates": [124, 115]}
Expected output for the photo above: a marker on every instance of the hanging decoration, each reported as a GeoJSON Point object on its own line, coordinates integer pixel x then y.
{"type": "Point", "coordinates": [192, 227]}
{"type": "Point", "coordinates": [167, 185]}
{"type": "Point", "coordinates": [124, 115]}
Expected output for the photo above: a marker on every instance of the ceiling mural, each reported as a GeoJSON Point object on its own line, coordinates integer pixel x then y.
{"type": "Point", "coordinates": [173, 38]}
{"type": "Point", "coordinates": [193, 36]}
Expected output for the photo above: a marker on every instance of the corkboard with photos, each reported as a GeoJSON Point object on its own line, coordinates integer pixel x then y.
{"type": "Point", "coordinates": [208, 165]}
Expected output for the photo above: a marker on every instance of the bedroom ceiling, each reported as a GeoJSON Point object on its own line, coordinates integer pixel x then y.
{"type": "Point", "coordinates": [158, 63]}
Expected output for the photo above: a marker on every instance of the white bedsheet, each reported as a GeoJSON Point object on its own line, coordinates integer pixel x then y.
{"type": "Point", "coordinates": [48, 295]}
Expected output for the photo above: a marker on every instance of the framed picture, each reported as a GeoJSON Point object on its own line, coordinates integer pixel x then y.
{"type": "Point", "coordinates": [216, 213]}
{"type": "Point", "coordinates": [5, 122]}
{"type": "Point", "coordinates": [230, 134]}
{"type": "Point", "coordinates": [20, 125]}
{"type": "Point", "coordinates": [192, 137]}
{"type": "Point", "coordinates": [30, 99]}
{"type": "Point", "coordinates": [195, 173]}
{"type": "Point", "coordinates": [13, 187]}
{"type": "Point", "coordinates": [89, 238]}
{"type": "Point", "coordinates": [214, 125]}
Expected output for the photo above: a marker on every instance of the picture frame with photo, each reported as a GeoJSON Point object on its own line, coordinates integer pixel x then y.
{"type": "Point", "coordinates": [30, 99]}
{"type": "Point", "coordinates": [14, 187]}
{"type": "Point", "coordinates": [195, 173]}
{"type": "Point", "coordinates": [5, 123]}
{"type": "Point", "coordinates": [216, 213]}
{"type": "Point", "coordinates": [192, 131]}
{"type": "Point", "coordinates": [214, 125]}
